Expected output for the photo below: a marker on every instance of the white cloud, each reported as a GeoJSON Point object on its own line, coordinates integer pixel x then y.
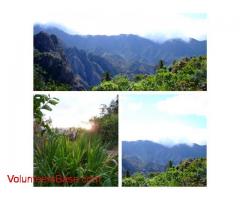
{"type": "Point", "coordinates": [166, 132]}
{"type": "Point", "coordinates": [136, 17]}
{"type": "Point", "coordinates": [166, 119]}
{"type": "Point", "coordinates": [188, 104]}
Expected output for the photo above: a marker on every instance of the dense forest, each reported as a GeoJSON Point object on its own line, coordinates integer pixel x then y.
{"type": "Point", "coordinates": [191, 172]}
{"type": "Point", "coordinates": [90, 155]}
{"type": "Point", "coordinates": [187, 74]}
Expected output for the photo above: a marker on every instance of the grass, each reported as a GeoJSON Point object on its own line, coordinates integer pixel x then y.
{"type": "Point", "coordinates": [84, 157]}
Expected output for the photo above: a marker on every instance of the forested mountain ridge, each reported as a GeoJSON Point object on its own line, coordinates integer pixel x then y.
{"type": "Point", "coordinates": [129, 47]}
{"type": "Point", "coordinates": [147, 156]}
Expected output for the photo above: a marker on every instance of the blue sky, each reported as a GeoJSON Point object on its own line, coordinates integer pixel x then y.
{"type": "Point", "coordinates": [164, 118]}
{"type": "Point", "coordinates": [157, 19]}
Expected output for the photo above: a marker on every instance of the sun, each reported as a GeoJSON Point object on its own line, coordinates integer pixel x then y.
{"type": "Point", "coordinates": [86, 125]}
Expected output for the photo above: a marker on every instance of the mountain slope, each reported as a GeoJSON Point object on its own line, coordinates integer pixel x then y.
{"type": "Point", "coordinates": [50, 63]}
{"type": "Point", "coordinates": [177, 48]}
{"type": "Point", "coordinates": [191, 172]}
{"type": "Point", "coordinates": [130, 47]}
{"type": "Point", "coordinates": [88, 66]}
{"type": "Point", "coordinates": [71, 66]}
{"type": "Point", "coordinates": [147, 156]}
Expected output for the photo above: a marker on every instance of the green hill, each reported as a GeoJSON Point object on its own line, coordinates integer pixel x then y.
{"type": "Point", "coordinates": [187, 173]}
{"type": "Point", "coordinates": [187, 74]}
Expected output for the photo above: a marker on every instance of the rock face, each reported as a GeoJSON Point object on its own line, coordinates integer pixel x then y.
{"type": "Point", "coordinates": [88, 66]}
{"type": "Point", "coordinates": [49, 55]}
{"type": "Point", "coordinates": [75, 67]}
{"type": "Point", "coordinates": [46, 43]}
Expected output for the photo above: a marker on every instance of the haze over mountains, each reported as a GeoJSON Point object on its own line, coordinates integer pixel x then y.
{"type": "Point", "coordinates": [88, 57]}
{"type": "Point", "coordinates": [130, 47]}
{"type": "Point", "coordinates": [146, 156]}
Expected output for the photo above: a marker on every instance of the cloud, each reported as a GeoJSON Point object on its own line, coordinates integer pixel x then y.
{"type": "Point", "coordinates": [188, 104]}
{"type": "Point", "coordinates": [169, 17]}
{"type": "Point", "coordinates": [164, 118]}
{"type": "Point", "coordinates": [166, 132]}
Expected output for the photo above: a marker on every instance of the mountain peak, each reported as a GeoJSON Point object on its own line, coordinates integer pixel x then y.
{"type": "Point", "coordinates": [45, 42]}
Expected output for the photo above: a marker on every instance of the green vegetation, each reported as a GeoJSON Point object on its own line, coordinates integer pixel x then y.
{"type": "Point", "coordinates": [48, 70]}
{"type": "Point", "coordinates": [44, 83]}
{"type": "Point", "coordinates": [107, 124]}
{"type": "Point", "coordinates": [90, 155]}
{"type": "Point", "coordinates": [42, 102]}
{"type": "Point", "coordinates": [187, 173]}
{"type": "Point", "coordinates": [188, 74]}
{"type": "Point", "coordinates": [83, 157]}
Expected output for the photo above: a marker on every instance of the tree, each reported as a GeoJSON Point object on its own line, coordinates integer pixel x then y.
{"type": "Point", "coordinates": [106, 76]}
{"type": "Point", "coordinates": [104, 109]}
{"type": "Point", "coordinates": [160, 65]}
{"type": "Point", "coordinates": [170, 164]}
{"type": "Point", "coordinates": [42, 82]}
{"type": "Point", "coordinates": [190, 172]}
{"type": "Point", "coordinates": [137, 180]}
{"type": "Point", "coordinates": [128, 174]}
{"type": "Point", "coordinates": [188, 74]}
{"type": "Point", "coordinates": [139, 77]}
{"type": "Point", "coordinates": [113, 107]}
{"type": "Point", "coordinates": [107, 124]}
{"type": "Point", "coordinates": [106, 86]}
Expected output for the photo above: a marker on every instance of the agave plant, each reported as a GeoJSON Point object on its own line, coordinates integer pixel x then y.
{"type": "Point", "coordinates": [84, 157]}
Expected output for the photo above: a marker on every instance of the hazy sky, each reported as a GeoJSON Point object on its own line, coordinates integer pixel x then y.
{"type": "Point", "coordinates": [76, 108]}
{"type": "Point", "coordinates": [164, 118]}
{"type": "Point", "coordinates": [164, 18]}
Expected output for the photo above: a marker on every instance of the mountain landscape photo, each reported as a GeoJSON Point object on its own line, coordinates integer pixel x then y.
{"type": "Point", "coordinates": [164, 140]}
{"type": "Point", "coordinates": [64, 61]}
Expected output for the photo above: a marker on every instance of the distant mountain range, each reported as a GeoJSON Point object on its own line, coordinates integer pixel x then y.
{"type": "Point", "coordinates": [131, 48]}
{"type": "Point", "coordinates": [147, 156]}
{"type": "Point", "coordinates": [88, 56]}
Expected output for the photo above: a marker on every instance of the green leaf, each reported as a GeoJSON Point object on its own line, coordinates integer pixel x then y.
{"type": "Point", "coordinates": [53, 102]}
{"type": "Point", "coordinates": [46, 107]}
